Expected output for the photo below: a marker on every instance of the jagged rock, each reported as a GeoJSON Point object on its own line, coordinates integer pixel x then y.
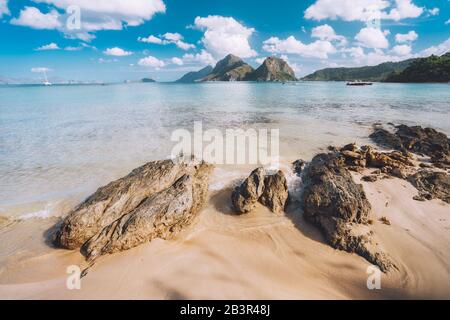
{"type": "Point", "coordinates": [270, 190]}
{"type": "Point", "coordinates": [273, 69]}
{"type": "Point", "coordinates": [431, 184]}
{"type": "Point", "coordinates": [137, 208]}
{"type": "Point", "coordinates": [298, 166]}
{"type": "Point", "coordinates": [371, 178]}
{"type": "Point", "coordinates": [231, 68]}
{"type": "Point", "coordinates": [415, 139]}
{"type": "Point", "coordinates": [385, 221]}
{"type": "Point", "coordinates": [275, 192]}
{"type": "Point", "coordinates": [245, 196]}
{"type": "Point", "coordinates": [339, 207]}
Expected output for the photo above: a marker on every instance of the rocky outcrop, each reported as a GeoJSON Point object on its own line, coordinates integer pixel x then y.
{"type": "Point", "coordinates": [148, 80]}
{"type": "Point", "coordinates": [231, 68]}
{"type": "Point", "coordinates": [270, 190]}
{"type": "Point", "coordinates": [423, 141]}
{"type": "Point", "coordinates": [339, 207]}
{"type": "Point", "coordinates": [155, 200]}
{"type": "Point", "coordinates": [195, 76]}
{"type": "Point", "coordinates": [431, 185]}
{"type": "Point", "coordinates": [273, 69]}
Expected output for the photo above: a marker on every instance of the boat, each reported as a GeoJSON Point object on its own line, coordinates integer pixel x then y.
{"type": "Point", "coordinates": [46, 82]}
{"type": "Point", "coordinates": [359, 83]}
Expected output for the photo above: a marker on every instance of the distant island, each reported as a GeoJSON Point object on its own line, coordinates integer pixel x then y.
{"type": "Point", "coordinates": [147, 80]}
{"type": "Point", "coordinates": [233, 68]}
{"type": "Point", "coordinates": [431, 69]}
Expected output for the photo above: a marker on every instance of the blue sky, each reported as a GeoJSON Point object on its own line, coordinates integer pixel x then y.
{"type": "Point", "coordinates": [115, 40]}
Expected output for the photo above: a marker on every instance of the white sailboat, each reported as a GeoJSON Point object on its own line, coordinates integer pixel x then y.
{"type": "Point", "coordinates": [46, 82]}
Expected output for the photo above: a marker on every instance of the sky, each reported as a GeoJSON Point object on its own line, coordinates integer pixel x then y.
{"type": "Point", "coordinates": [117, 40]}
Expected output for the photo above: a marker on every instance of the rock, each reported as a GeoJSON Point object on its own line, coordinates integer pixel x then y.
{"type": "Point", "coordinates": [231, 68]}
{"type": "Point", "coordinates": [298, 166]}
{"type": "Point", "coordinates": [137, 208]}
{"type": "Point", "coordinates": [415, 139]}
{"type": "Point", "coordinates": [273, 69]}
{"type": "Point", "coordinates": [195, 76]}
{"type": "Point", "coordinates": [431, 184]}
{"type": "Point", "coordinates": [245, 196]}
{"type": "Point", "coordinates": [385, 221]}
{"type": "Point", "coordinates": [275, 193]}
{"type": "Point", "coordinates": [371, 178]}
{"type": "Point", "coordinates": [339, 207]}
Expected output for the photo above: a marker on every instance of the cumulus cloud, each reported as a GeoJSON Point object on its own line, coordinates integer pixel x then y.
{"type": "Point", "coordinates": [152, 62]}
{"type": "Point", "coordinates": [50, 46]}
{"type": "Point", "coordinates": [32, 17]}
{"type": "Point", "coordinates": [96, 15]}
{"type": "Point", "coordinates": [406, 37]}
{"type": "Point", "coordinates": [224, 35]}
{"type": "Point", "coordinates": [402, 50]}
{"type": "Point", "coordinates": [260, 60]}
{"type": "Point", "coordinates": [177, 61]}
{"type": "Point", "coordinates": [168, 38]}
{"type": "Point", "coordinates": [434, 11]}
{"type": "Point", "coordinates": [203, 58]}
{"type": "Point", "coordinates": [117, 52]}
{"type": "Point", "coordinates": [362, 10]}
{"type": "Point", "coordinates": [327, 33]}
{"type": "Point", "coordinates": [4, 8]}
{"type": "Point", "coordinates": [318, 49]}
{"type": "Point", "coordinates": [372, 38]}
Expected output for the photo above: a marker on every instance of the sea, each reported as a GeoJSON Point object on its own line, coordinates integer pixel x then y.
{"type": "Point", "coordinates": [58, 144]}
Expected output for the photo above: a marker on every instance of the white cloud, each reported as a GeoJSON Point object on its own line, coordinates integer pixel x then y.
{"type": "Point", "coordinates": [50, 46]}
{"type": "Point", "coordinates": [118, 52]}
{"type": "Point", "coordinates": [168, 38]}
{"type": "Point", "coordinates": [403, 9]}
{"type": "Point", "coordinates": [438, 50]}
{"type": "Point", "coordinates": [224, 35]}
{"type": "Point", "coordinates": [102, 60]}
{"type": "Point", "coordinates": [402, 50]}
{"type": "Point", "coordinates": [33, 18]}
{"type": "Point", "coordinates": [152, 62]}
{"type": "Point", "coordinates": [326, 32]}
{"type": "Point", "coordinates": [40, 69]}
{"type": "Point", "coordinates": [203, 58]}
{"type": "Point", "coordinates": [372, 38]}
{"type": "Point", "coordinates": [318, 49]}
{"type": "Point", "coordinates": [150, 39]}
{"type": "Point", "coordinates": [447, 22]}
{"type": "Point", "coordinates": [406, 37]}
{"type": "Point", "coordinates": [434, 11]}
{"type": "Point", "coordinates": [362, 10]}
{"type": "Point", "coordinates": [4, 8]}
{"type": "Point", "coordinates": [177, 61]}
{"type": "Point", "coordinates": [348, 10]}
{"type": "Point", "coordinates": [260, 60]}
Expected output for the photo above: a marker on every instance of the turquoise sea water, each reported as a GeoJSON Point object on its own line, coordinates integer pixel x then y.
{"type": "Point", "coordinates": [62, 142]}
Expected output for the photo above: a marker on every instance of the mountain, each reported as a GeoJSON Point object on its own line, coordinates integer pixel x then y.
{"type": "Point", "coordinates": [273, 69]}
{"type": "Point", "coordinates": [195, 76]}
{"type": "Point", "coordinates": [374, 73]}
{"type": "Point", "coordinates": [231, 68]}
{"type": "Point", "coordinates": [431, 69]}
{"type": "Point", "coordinates": [148, 80]}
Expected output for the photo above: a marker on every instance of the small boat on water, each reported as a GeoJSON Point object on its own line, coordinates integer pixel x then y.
{"type": "Point", "coordinates": [359, 83]}
{"type": "Point", "coordinates": [46, 82]}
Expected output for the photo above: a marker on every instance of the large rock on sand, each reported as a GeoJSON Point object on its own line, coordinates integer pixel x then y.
{"type": "Point", "coordinates": [339, 207]}
{"type": "Point", "coordinates": [431, 184]}
{"type": "Point", "coordinates": [155, 200]}
{"type": "Point", "coordinates": [270, 190]}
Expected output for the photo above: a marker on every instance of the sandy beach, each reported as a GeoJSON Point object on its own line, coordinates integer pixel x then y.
{"type": "Point", "coordinates": [254, 256]}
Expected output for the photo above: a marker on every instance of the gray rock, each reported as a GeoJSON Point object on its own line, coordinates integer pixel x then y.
{"type": "Point", "coordinates": [137, 208]}
{"type": "Point", "coordinates": [431, 185]}
{"type": "Point", "coordinates": [275, 193]}
{"type": "Point", "coordinates": [245, 196]}
{"type": "Point", "coordinates": [339, 207]}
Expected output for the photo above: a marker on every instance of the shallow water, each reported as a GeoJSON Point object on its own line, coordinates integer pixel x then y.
{"type": "Point", "coordinates": [58, 144]}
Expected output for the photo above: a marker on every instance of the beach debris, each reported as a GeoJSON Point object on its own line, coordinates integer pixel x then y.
{"type": "Point", "coordinates": [270, 189]}
{"type": "Point", "coordinates": [431, 185]}
{"type": "Point", "coordinates": [156, 200]}
{"type": "Point", "coordinates": [338, 206]}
